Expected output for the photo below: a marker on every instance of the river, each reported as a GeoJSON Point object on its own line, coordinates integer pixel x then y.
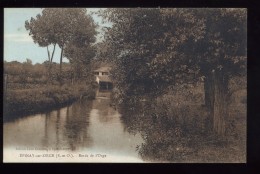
{"type": "Point", "coordinates": [86, 131]}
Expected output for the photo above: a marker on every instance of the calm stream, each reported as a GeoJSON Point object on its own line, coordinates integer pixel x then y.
{"type": "Point", "coordinates": [86, 131]}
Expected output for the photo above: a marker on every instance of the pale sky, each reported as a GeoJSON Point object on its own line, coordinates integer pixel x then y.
{"type": "Point", "coordinates": [18, 45]}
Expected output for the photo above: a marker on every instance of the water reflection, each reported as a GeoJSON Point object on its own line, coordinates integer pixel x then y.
{"type": "Point", "coordinates": [84, 126]}
{"type": "Point", "coordinates": [157, 130]}
{"type": "Point", "coordinates": [173, 134]}
{"type": "Point", "coordinates": [76, 125]}
{"type": "Point", "coordinates": [110, 134]}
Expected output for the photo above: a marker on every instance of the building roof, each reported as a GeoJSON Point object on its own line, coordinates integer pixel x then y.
{"type": "Point", "coordinates": [104, 79]}
{"type": "Point", "coordinates": [103, 69]}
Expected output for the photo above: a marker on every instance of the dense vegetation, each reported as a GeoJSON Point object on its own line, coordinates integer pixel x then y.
{"type": "Point", "coordinates": [158, 51]}
{"type": "Point", "coordinates": [71, 29]}
{"type": "Point", "coordinates": [29, 90]}
{"type": "Point", "coordinates": [175, 127]}
{"type": "Point", "coordinates": [179, 75]}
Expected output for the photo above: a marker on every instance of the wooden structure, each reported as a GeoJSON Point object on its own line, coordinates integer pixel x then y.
{"type": "Point", "coordinates": [103, 79]}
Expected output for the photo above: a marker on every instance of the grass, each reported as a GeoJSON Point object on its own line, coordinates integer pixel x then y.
{"type": "Point", "coordinates": [21, 102]}
{"type": "Point", "coordinates": [174, 127]}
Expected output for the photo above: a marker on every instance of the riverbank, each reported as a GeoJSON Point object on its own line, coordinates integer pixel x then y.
{"type": "Point", "coordinates": [20, 102]}
{"type": "Point", "coordinates": [175, 129]}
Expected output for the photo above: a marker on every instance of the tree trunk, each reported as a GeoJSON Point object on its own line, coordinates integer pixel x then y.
{"type": "Point", "coordinates": [61, 54]}
{"type": "Point", "coordinates": [48, 53]}
{"type": "Point", "coordinates": [216, 89]}
{"type": "Point", "coordinates": [53, 52]}
{"type": "Point", "coordinates": [50, 70]}
{"type": "Point", "coordinates": [49, 65]}
{"type": "Point", "coordinates": [209, 91]}
{"type": "Point", "coordinates": [209, 98]}
{"type": "Point", "coordinates": [60, 74]}
{"type": "Point", "coordinates": [50, 57]}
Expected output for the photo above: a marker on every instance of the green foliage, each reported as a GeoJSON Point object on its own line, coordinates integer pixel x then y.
{"type": "Point", "coordinates": [174, 129]}
{"type": "Point", "coordinates": [25, 101]}
{"type": "Point", "coordinates": [70, 28]}
{"type": "Point", "coordinates": [80, 58]}
{"type": "Point", "coordinates": [60, 25]}
{"type": "Point", "coordinates": [28, 90]}
{"type": "Point", "coordinates": [27, 76]}
{"type": "Point", "coordinates": [157, 48]}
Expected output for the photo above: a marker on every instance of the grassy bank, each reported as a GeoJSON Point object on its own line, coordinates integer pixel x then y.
{"type": "Point", "coordinates": [175, 128]}
{"type": "Point", "coordinates": [21, 102]}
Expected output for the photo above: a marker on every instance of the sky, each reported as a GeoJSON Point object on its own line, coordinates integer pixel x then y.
{"type": "Point", "coordinates": [18, 45]}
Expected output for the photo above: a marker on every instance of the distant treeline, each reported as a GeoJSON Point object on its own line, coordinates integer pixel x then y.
{"type": "Point", "coordinates": [29, 88]}
{"type": "Point", "coordinates": [27, 73]}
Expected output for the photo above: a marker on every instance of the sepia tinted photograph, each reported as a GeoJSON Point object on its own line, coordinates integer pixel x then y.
{"type": "Point", "coordinates": [125, 85]}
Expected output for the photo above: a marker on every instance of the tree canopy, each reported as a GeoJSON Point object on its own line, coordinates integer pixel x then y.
{"type": "Point", "coordinates": [69, 28]}
{"type": "Point", "coordinates": [154, 49]}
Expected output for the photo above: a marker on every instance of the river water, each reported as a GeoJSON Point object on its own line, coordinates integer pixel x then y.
{"type": "Point", "coordinates": [86, 131]}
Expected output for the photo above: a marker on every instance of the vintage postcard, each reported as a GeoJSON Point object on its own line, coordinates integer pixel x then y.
{"type": "Point", "coordinates": [125, 85]}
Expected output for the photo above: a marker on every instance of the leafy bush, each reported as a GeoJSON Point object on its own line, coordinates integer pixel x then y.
{"type": "Point", "coordinates": [175, 128]}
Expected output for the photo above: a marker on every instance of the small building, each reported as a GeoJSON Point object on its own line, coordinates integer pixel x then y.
{"type": "Point", "coordinates": [102, 75]}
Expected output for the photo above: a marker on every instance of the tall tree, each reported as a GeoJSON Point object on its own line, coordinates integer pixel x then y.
{"type": "Point", "coordinates": [80, 57]}
{"type": "Point", "coordinates": [60, 26]}
{"type": "Point", "coordinates": [157, 48]}
{"type": "Point", "coordinates": [217, 53]}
